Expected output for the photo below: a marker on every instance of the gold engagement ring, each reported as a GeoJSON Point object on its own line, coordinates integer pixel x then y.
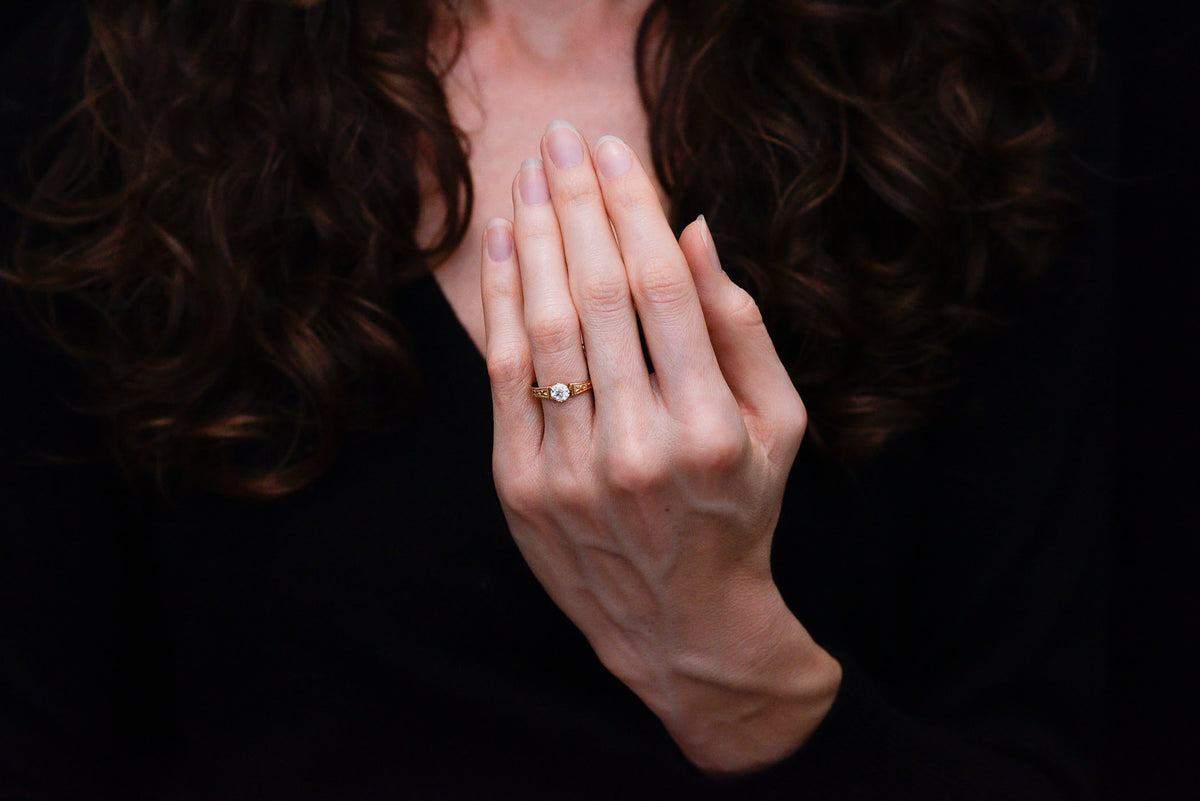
{"type": "Point", "coordinates": [560, 392]}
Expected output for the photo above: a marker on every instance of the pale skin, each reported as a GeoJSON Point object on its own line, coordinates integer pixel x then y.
{"type": "Point", "coordinates": [646, 508]}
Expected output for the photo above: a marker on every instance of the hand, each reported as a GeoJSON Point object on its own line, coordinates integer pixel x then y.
{"type": "Point", "coordinates": [647, 506]}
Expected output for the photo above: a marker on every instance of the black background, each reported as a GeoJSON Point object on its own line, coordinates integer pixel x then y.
{"type": "Point", "coordinates": [1154, 742]}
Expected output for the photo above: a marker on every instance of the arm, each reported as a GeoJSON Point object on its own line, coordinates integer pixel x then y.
{"type": "Point", "coordinates": [969, 727]}
{"type": "Point", "coordinates": [647, 515]}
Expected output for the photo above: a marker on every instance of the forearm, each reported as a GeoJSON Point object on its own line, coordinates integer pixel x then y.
{"type": "Point", "coordinates": [750, 691]}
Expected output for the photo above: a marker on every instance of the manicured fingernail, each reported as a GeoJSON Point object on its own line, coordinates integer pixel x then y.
{"type": "Point", "coordinates": [499, 240]}
{"type": "Point", "coordinates": [612, 157]}
{"type": "Point", "coordinates": [534, 189]}
{"type": "Point", "coordinates": [706, 235]}
{"type": "Point", "coordinates": [564, 144]}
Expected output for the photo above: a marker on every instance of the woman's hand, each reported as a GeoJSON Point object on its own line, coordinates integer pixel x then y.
{"type": "Point", "coordinates": [647, 506]}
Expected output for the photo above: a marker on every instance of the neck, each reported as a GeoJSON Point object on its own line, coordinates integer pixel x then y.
{"type": "Point", "coordinates": [556, 32]}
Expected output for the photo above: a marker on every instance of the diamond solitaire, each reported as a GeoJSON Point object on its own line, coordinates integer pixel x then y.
{"type": "Point", "coordinates": [560, 392]}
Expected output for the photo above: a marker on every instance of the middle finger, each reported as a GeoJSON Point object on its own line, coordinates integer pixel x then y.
{"type": "Point", "coordinates": [596, 272]}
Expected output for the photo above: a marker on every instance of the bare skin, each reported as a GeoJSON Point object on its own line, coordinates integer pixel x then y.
{"type": "Point", "coordinates": [524, 64]}
{"type": "Point", "coordinates": [647, 507]}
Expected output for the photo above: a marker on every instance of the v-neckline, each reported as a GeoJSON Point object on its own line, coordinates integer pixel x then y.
{"type": "Point", "coordinates": [436, 328]}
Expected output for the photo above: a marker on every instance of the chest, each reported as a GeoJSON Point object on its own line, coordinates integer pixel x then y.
{"type": "Point", "coordinates": [503, 106]}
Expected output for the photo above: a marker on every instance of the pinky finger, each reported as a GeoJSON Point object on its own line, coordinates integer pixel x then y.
{"type": "Point", "coordinates": [518, 418]}
{"type": "Point", "coordinates": [744, 350]}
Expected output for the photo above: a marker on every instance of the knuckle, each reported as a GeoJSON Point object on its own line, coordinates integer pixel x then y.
{"type": "Point", "coordinates": [507, 366]}
{"type": "Point", "coordinates": [633, 469]}
{"type": "Point", "coordinates": [569, 490]}
{"type": "Point", "coordinates": [603, 292]}
{"type": "Point", "coordinates": [743, 311]}
{"type": "Point", "coordinates": [713, 445]}
{"type": "Point", "coordinates": [663, 280]}
{"type": "Point", "coordinates": [798, 414]}
{"type": "Point", "coordinates": [627, 199]}
{"type": "Point", "coordinates": [553, 331]}
{"type": "Point", "coordinates": [532, 230]}
{"type": "Point", "coordinates": [794, 422]}
{"type": "Point", "coordinates": [498, 292]}
{"type": "Point", "coordinates": [578, 194]}
{"type": "Point", "coordinates": [784, 428]}
{"type": "Point", "coordinates": [516, 485]}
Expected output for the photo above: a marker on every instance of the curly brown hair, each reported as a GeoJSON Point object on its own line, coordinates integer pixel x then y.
{"type": "Point", "coordinates": [226, 214]}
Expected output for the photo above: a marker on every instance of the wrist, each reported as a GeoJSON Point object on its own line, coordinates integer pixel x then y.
{"type": "Point", "coordinates": [744, 702]}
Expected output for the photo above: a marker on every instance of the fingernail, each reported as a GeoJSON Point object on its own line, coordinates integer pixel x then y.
{"type": "Point", "coordinates": [706, 235]}
{"type": "Point", "coordinates": [564, 144]}
{"type": "Point", "coordinates": [499, 240]}
{"type": "Point", "coordinates": [533, 186]}
{"type": "Point", "coordinates": [612, 157]}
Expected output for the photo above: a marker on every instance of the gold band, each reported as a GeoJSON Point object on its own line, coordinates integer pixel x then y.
{"type": "Point", "coordinates": [559, 393]}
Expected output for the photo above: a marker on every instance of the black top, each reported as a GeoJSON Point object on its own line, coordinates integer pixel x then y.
{"type": "Point", "coordinates": [377, 635]}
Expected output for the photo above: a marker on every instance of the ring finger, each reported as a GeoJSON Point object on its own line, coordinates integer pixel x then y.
{"type": "Point", "coordinates": [550, 316]}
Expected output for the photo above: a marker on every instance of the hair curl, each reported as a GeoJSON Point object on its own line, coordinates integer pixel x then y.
{"type": "Point", "coordinates": [226, 213]}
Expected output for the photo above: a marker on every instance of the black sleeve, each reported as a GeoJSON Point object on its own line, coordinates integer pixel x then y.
{"type": "Point", "coordinates": [66, 585]}
{"type": "Point", "coordinates": [993, 613]}
{"type": "Point", "coordinates": [982, 675]}
{"type": "Point", "coordinates": [67, 530]}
